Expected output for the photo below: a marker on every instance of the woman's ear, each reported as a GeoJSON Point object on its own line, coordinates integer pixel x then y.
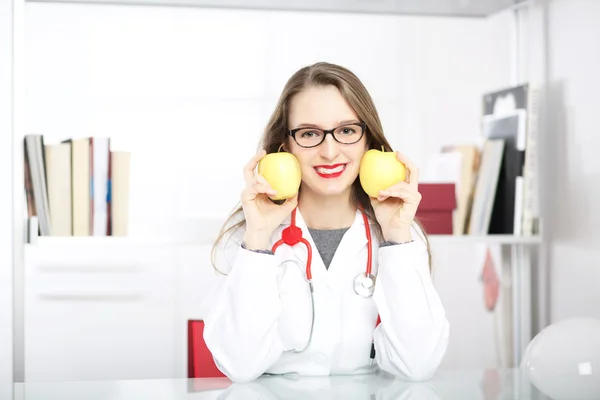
{"type": "Point", "coordinates": [285, 146]}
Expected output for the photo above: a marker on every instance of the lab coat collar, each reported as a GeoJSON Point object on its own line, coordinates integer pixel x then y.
{"type": "Point", "coordinates": [358, 219]}
{"type": "Point", "coordinates": [352, 244]}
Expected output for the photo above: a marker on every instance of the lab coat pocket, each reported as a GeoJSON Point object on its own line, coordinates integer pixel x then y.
{"type": "Point", "coordinates": [359, 318]}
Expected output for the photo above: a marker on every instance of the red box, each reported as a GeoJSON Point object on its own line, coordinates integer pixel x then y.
{"type": "Point", "coordinates": [437, 206]}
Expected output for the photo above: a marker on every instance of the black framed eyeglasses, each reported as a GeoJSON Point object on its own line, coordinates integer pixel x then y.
{"type": "Point", "coordinates": [344, 134]}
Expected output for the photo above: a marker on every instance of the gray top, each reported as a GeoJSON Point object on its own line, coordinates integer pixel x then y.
{"type": "Point", "coordinates": [327, 242]}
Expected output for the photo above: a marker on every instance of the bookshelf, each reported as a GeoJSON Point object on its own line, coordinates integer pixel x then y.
{"type": "Point", "coordinates": [154, 252]}
{"type": "Point", "coordinates": [206, 240]}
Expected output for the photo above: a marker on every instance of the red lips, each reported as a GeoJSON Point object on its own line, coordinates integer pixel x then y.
{"type": "Point", "coordinates": [328, 166]}
{"type": "Point", "coordinates": [328, 175]}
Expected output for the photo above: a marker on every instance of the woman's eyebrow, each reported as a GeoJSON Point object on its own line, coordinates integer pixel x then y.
{"type": "Point", "coordinates": [308, 126]}
{"type": "Point", "coordinates": [348, 121]}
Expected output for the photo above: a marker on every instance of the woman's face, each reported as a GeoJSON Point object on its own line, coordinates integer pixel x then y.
{"type": "Point", "coordinates": [331, 167]}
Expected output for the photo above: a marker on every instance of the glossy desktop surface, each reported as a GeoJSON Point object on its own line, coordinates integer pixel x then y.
{"type": "Point", "coordinates": [470, 384]}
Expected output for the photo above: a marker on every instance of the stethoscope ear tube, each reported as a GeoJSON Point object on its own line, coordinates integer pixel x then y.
{"type": "Point", "coordinates": [312, 319]}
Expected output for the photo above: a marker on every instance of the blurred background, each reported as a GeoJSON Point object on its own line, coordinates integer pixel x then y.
{"type": "Point", "coordinates": [167, 99]}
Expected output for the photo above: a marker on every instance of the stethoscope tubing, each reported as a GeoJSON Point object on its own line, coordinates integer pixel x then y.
{"type": "Point", "coordinates": [292, 235]}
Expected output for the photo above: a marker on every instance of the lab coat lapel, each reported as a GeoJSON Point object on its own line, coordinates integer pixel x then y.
{"type": "Point", "coordinates": [346, 256]}
{"type": "Point", "coordinates": [318, 269]}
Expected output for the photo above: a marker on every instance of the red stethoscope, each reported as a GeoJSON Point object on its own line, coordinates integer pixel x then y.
{"type": "Point", "coordinates": [364, 284]}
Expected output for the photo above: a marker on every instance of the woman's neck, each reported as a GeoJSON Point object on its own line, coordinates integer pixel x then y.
{"type": "Point", "coordinates": [326, 212]}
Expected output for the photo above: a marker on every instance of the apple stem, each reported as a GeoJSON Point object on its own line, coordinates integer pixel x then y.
{"type": "Point", "coordinates": [279, 149]}
{"type": "Point", "coordinates": [382, 148]}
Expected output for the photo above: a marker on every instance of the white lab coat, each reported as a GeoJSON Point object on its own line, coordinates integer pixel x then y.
{"type": "Point", "coordinates": [261, 311]}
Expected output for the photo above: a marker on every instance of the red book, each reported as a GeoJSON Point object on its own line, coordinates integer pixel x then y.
{"type": "Point", "coordinates": [437, 206]}
{"type": "Point", "coordinates": [200, 359]}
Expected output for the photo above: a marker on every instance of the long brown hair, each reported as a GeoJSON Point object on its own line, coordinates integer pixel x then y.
{"type": "Point", "coordinates": [352, 89]}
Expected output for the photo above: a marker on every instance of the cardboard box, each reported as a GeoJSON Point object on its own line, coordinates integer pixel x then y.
{"type": "Point", "coordinates": [437, 206]}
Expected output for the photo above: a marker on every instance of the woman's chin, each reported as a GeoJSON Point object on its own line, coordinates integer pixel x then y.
{"type": "Point", "coordinates": [332, 189]}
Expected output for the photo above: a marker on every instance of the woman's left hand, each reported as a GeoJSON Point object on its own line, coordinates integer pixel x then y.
{"type": "Point", "coordinates": [395, 207]}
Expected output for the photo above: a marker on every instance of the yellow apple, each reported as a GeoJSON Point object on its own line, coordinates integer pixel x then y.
{"type": "Point", "coordinates": [379, 170]}
{"type": "Point", "coordinates": [282, 172]}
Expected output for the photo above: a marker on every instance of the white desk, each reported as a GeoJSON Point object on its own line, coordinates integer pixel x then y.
{"type": "Point", "coordinates": [463, 385]}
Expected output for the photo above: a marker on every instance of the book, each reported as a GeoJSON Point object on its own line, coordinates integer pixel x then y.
{"type": "Point", "coordinates": [466, 184]}
{"type": "Point", "coordinates": [80, 186]}
{"type": "Point", "coordinates": [119, 194]}
{"type": "Point", "coordinates": [76, 187]}
{"type": "Point", "coordinates": [505, 117]}
{"type": "Point", "coordinates": [484, 196]}
{"type": "Point", "coordinates": [100, 154]}
{"type": "Point", "coordinates": [34, 152]}
{"type": "Point", "coordinates": [58, 172]}
{"type": "Point", "coordinates": [530, 223]}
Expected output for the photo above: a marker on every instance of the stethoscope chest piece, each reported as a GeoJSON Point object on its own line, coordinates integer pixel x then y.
{"type": "Point", "coordinates": [364, 285]}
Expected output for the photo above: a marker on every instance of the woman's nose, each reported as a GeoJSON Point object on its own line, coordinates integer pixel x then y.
{"type": "Point", "coordinates": [329, 148]}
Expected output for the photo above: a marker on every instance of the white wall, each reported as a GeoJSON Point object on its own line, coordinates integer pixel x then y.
{"type": "Point", "coordinates": [574, 166]}
{"type": "Point", "coordinates": [177, 86]}
{"type": "Point", "coordinates": [6, 243]}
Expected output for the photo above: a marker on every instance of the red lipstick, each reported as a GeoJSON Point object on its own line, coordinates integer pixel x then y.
{"type": "Point", "coordinates": [330, 171]}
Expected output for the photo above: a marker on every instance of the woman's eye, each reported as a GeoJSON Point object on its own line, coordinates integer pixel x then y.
{"type": "Point", "coordinates": [348, 131]}
{"type": "Point", "coordinates": [309, 134]}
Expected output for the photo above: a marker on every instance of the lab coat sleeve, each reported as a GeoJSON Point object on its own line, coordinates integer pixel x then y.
{"type": "Point", "coordinates": [241, 324]}
{"type": "Point", "coordinates": [412, 338]}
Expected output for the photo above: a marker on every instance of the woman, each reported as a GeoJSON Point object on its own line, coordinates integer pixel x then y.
{"type": "Point", "coordinates": [263, 319]}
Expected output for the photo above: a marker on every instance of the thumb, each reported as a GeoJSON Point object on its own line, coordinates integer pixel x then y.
{"type": "Point", "coordinates": [291, 203]}
{"type": "Point", "coordinates": [286, 208]}
{"type": "Point", "coordinates": [374, 201]}
{"type": "Point", "coordinates": [377, 204]}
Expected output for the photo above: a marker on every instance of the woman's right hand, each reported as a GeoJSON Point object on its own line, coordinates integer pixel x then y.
{"type": "Point", "coordinates": [262, 215]}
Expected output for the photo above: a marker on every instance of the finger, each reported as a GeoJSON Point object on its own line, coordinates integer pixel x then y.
{"type": "Point", "coordinates": [261, 179]}
{"type": "Point", "coordinates": [376, 201]}
{"type": "Point", "coordinates": [383, 197]}
{"type": "Point", "coordinates": [399, 185]}
{"type": "Point", "coordinates": [412, 176]}
{"type": "Point", "coordinates": [254, 190]}
{"type": "Point", "coordinates": [400, 193]}
{"type": "Point", "coordinates": [251, 165]}
{"type": "Point", "coordinates": [291, 203]}
{"type": "Point", "coordinates": [252, 181]}
{"type": "Point", "coordinates": [395, 190]}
